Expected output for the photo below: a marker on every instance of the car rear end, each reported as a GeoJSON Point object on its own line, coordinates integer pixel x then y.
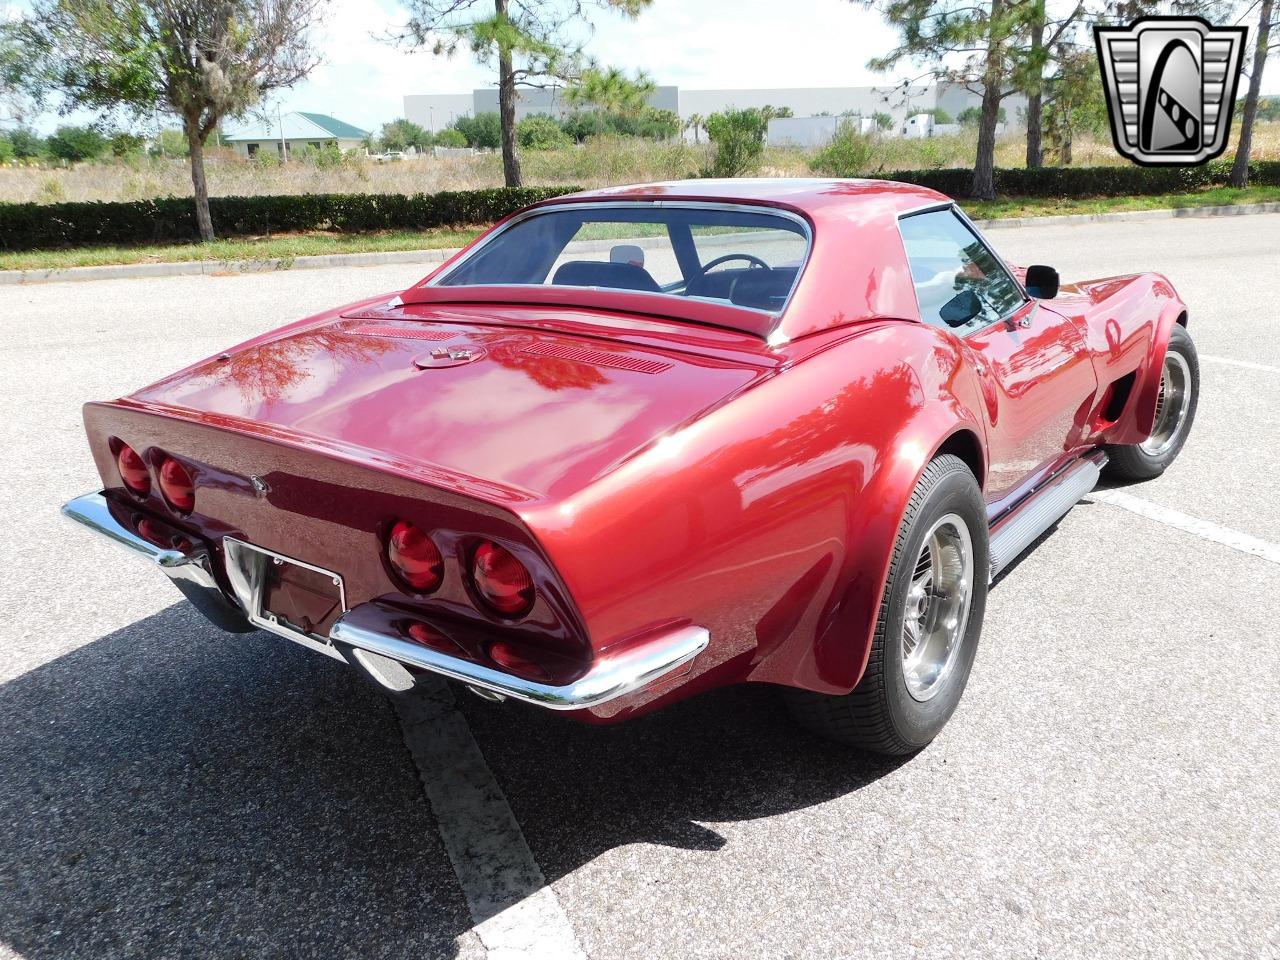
{"type": "Point", "coordinates": [381, 563]}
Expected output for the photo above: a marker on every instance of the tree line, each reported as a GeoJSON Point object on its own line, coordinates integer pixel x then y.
{"type": "Point", "coordinates": [1045, 50]}
{"type": "Point", "coordinates": [200, 61]}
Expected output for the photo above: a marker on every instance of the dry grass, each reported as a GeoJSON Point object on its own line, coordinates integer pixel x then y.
{"type": "Point", "coordinates": [600, 163]}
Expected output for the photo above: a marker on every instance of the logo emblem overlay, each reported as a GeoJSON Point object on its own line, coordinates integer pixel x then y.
{"type": "Point", "coordinates": [1171, 86]}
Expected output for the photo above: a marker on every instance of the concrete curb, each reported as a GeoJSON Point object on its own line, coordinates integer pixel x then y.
{"type": "Point", "coordinates": [222, 267]}
{"type": "Point", "coordinates": [227, 267]}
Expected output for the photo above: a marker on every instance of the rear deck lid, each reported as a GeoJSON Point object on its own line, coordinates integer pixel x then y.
{"type": "Point", "coordinates": [537, 409]}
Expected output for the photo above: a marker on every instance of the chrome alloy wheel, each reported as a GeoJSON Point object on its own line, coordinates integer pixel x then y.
{"type": "Point", "coordinates": [936, 613]}
{"type": "Point", "coordinates": [1172, 404]}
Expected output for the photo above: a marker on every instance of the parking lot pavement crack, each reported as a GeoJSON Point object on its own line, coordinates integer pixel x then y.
{"type": "Point", "coordinates": [1204, 529]}
{"type": "Point", "coordinates": [517, 915]}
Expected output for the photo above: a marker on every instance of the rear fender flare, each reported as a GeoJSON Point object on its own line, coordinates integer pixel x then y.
{"type": "Point", "coordinates": [843, 643]}
{"type": "Point", "coordinates": [1147, 387]}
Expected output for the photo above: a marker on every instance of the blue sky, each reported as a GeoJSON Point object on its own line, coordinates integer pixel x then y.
{"type": "Point", "coordinates": [692, 43]}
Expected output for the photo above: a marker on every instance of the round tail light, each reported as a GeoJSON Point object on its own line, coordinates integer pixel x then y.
{"type": "Point", "coordinates": [177, 486]}
{"type": "Point", "coordinates": [414, 557]}
{"type": "Point", "coordinates": [502, 580]}
{"type": "Point", "coordinates": [133, 470]}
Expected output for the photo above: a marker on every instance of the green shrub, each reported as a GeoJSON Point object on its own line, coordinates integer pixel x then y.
{"type": "Point", "coordinates": [482, 130]}
{"type": "Point", "coordinates": [972, 116]}
{"type": "Point", "coordinates": [33, 226]}
{"type": "Point", "coordinates": [27, 144]}
{"type": "Point", "coordinates": [1070, 182]}
{"type": "Point", "coordinates": [77, 143]}
{"type": "Point", "coordinates": [6, 149]}
{"type": "Point", "coordinates": [847, 155]}
{"type": "Point", "coordinates": [738, 136]}
{"type": "Point", "coordinates": [539, 131]}
{"type": "Point", "coordinates": [450, 138]}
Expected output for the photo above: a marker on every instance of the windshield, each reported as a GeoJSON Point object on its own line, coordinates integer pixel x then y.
{"type": "Point", "coordinates": [724, 255]}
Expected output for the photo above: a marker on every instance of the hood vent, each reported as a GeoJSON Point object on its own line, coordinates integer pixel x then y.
{"type": "Point", "coordinates": [402, 333]}
{"type": "Point", "coordinates": [598, 358]}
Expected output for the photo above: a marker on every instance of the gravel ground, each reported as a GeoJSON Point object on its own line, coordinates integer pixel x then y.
{"type": "Point", "coordinates": [1107, 789]}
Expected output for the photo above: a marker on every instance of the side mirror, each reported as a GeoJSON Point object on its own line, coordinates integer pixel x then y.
{"type": "Point", "coordinates": [1042, 282]}
{"type": "Point", "coordinates": [961, 308]}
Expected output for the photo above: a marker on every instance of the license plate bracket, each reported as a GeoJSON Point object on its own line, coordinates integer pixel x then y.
{"type": "Point", "coordinates": [284, 595]}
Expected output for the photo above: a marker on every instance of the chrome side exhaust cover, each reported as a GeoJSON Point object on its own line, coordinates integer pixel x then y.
{"type": "Point", "coordinates": [1023, 525]}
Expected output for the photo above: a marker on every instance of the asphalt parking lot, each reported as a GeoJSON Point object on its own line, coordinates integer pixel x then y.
{"type": "Point", "coordinates": [1109, 788]}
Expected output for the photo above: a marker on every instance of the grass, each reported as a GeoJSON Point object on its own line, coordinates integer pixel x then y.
{"type": "Point", "coordinates": [285, 247]}
{"type": "Point", "coordinates": [1048, 207]}
{"type": "Point", "coordinates": [601, 162]}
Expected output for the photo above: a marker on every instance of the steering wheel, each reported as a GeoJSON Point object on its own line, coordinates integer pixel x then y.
{"type": "Point", "coordinates": [756, 262]}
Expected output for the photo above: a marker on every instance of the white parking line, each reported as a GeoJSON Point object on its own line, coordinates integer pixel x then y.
{"type": "Point", "coordinates": [517, 915]}
{"type": "Point", "coordinates": [1248, 364]}
{"type": "Point", "coordinates": [1204, 529]}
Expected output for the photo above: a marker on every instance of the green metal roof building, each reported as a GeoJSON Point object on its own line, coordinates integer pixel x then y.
{"type": "Point", "coordinates": [292, 131]}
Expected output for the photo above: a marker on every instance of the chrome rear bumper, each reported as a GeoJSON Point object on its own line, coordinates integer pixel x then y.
{"type": "Point", "coordinates": [373, 629]}
{"type": "Point", "coordinates": [191, 571]}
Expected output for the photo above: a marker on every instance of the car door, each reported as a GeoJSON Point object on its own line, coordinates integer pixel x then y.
{"type": "Point", "coordinates": [1037, 378]}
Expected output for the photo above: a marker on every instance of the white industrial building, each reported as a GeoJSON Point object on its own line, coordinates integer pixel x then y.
{"type": "Point", "coordinates": [437, 111]}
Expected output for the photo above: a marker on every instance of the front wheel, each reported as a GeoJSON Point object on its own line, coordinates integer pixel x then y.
{"type": "Point", "coordinates": [927, 631]}
{"type": "Point", "coordinates": [1175, 412]}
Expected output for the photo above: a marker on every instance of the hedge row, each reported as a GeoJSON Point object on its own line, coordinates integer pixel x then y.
{"type": "Point", "coordinates": [31, 226]}
{"type": "Point", "coordinates": [1091, 181]}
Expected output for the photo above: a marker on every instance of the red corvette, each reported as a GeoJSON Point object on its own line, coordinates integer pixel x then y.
{"type": "Point", "coordinates": [636, 443]}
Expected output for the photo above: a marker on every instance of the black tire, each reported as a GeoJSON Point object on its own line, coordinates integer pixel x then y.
{"type": "Point", "coordinates": [1146, 461]}
{"type": "Point", "coordinates": [881, 714]}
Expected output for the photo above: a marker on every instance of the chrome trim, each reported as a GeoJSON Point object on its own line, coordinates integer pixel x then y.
{"type": "Point", "coordinates": [191, 572]}
{"type": "Point", "coordinates": [608, 678]}
{"type": "Point", "coordinates": [94, 512]}
{"type": "Point", "coordinates": [1021, 526]}
{"type": "Point", "coordinates": [552, 206]}
{"type": "Point", "coordinates": [981, 238]}
{"type": "Point", "coordinates": [246, 564]}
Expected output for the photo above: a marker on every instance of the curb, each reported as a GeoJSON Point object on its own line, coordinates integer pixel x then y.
{"type": "Point", "coordinates": [222, 267]}
{"type": "Point", "coordinates": [228, 267]}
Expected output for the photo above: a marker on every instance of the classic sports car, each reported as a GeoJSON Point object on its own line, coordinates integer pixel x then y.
{"type": "Point", "coordinates": [637, 443]}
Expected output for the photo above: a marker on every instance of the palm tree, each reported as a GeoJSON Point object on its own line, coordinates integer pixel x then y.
{"type": "Point", "coordinates": [695, 123]}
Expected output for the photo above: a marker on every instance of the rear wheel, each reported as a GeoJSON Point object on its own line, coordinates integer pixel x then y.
{"type": "Point", "coordinates": [1175, 412]}
{"type": "Point", "coordinates": [927, 631]}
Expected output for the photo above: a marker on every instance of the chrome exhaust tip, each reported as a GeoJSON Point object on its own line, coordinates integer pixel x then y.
{"type": "Point", "coordinates": [490, 696]}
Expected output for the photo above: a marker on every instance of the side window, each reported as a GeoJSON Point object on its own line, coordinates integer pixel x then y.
{"type": "Point", "coordinates": [960, 284]}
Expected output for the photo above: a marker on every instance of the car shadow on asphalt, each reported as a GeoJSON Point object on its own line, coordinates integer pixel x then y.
{"type": "Point", "coordinates": [730, 755]}
{"type": "Point", "coordinates": [169, 790]}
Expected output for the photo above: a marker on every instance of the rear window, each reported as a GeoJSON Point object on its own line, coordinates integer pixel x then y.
{"type": "Point", "coordinates": [725, 255]}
